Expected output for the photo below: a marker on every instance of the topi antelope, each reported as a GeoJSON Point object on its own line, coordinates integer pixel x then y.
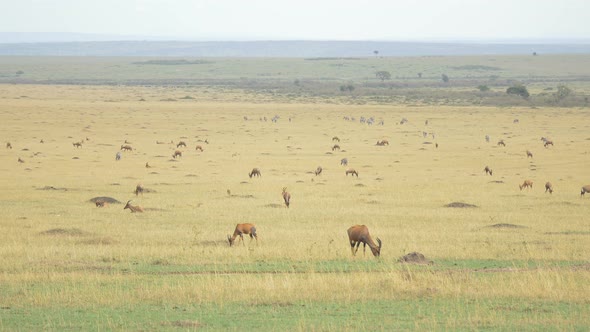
{"type": "Point", "coordinates": [77, 144]}
{"type": "Point", "coordinates": [254, 172]}
{"type": "Point", "coordinates": [358, 234]}
{"type": "Point", "coordinates": [8, 145]}
{"type": "Point", "coordinates": [139, 189]}
{"type": "Point", "coordinates": [501, 142]}
{"type": "Point", "coordinates": [286, 196]}
{"type": "Point", "coordinates": [352, 171]}
{"type": "Point", "coordinates": [529, 154]}
{"type": "Point", "coordinates": [133, 208]}
{"type": "Point", "coordinates": [241, 229]}
{"type": "Point", "coordinates": [585, 189]}
{"type": "Point", "coordinates": [181, 143]}
{"type": "Point", "coordinates": [101, 204]}
{"type": "Point", "coordinates": [336, 147]}
{"type": "Point", "coordinates": [335, 139]}
{"type": "Point", "coordinates": [383, 142]}
{"type": "Point", "coordinates": [177, 153]}
{"type": "Point", "coordinates": [126, 148]}
{"type": "Point", "coordinates": [549, 187]}
{"type": "Point", "coordinates": [547, 143]}
{"type": "Point", "coordinates": [318, 170]}
{"type": "Point", "coordinates": [526, 184]}
{"type": "Point", "coordinates": [488, 170]}
{"type": "Point", "coordinates": [199, 148]}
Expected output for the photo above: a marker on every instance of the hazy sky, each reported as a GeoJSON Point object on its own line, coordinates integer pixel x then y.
{"type": "Point", "coordinates": [304, 19]}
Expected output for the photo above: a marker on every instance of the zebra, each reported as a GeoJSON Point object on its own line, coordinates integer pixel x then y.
{"type": "Point", "coordinates": [118, 155]}
{"type": "Point", "coordinates": [344, 161]}
{"type": "Point", "coordinates": [488, 138]}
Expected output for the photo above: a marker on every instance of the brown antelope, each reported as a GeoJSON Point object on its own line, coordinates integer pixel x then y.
{"type": "Point", "coordinates": [20, 160]}
{"type": "Point", "coordinates": [585, 189]}
{"type": "Point", "coordinates": [286, 196]}
{"type": "Point", "coordinates": [547, 143]}
{"type": "Point", "coordinates": [383, 142]}
{"type": "Point", "coordinates": [335, 139]}
{"type": "Point", "coordinates": [358, 234]}
{"type": "Point", "coordinates": [254, 172]}
{"type": "Point", "coordinates": [126, 148]}
{"type": "Point", "coordinates": [199, 148]}
{"type": "Point", "coordinates": [139, 189]}
{"type": "Point", "coordinates": [488, 170]}
{"type": "Point", "coordinates": [501, 142]}
{"type": "Point", "coordinates": [8, 145]}
{"type": "Point", "coordinates": [41, 141]}
{"type": "Point", "coordinates": [526, 184]}
{"type": "Point", "coordinates": [318, 170]}
{"type": "Point", "coordinates": [352, 171]}
{"type": "Point", "coordinates": [177, 153]}
{"type": "Point", "coordinates": [133, 208]}
{"type": "Point", "coordinates": [336, 147]}
{"type": "Point", "coordinates": [77, 144]}
{"type": "Point", "coordinates": [181, 143]}
{"type": "Point", "coordinates": [101, 204]}
{"type": "Point", "coordinates": [241, 229]}
{"type": "Point", "coordinates": [549, 187]}
{"type": "Point", "coordinates": [529, 154]}
{"type": "Point", "coordinates": [147, 165]}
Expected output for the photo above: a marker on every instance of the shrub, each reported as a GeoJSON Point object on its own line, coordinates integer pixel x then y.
{"type": "Point", "coordinates": [519, 90]}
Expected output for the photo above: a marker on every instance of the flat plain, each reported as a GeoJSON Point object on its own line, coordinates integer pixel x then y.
{"type": "Point", "coordinates": [516, 260]}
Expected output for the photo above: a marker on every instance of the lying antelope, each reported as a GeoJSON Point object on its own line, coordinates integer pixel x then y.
{"type": "Point", "coordinates": [139, 189]}
{"type": "Point", "coordinates": [358, 234]}
{"type": "Point", "coordinates": [585, 189]}
{"type": "Point", "coordinates": [254, 172]}
{"type": "Point", "coordinates": [8, 145]}
{"type": "Point", "coordinates": [526, 184]}
{"type": "Point", "coordinates": [501, 142]}
{"type": "Point", "coordinates": [199, 148]}
{"type": "Point", "coordinates": [383, 142]}
{"type": "Point", "coordinates": [181, 143]}
{"type": "Point", "coordinates": [241, 229]}
{"type": "Point", "coordinates": [101, 204]}
{"type": "Point", "coordinates": [529, 154]}
{"type": "Point", "coordinates": [286, 196]}
{"type": "Point", "coordinates": [177, 153]}
{"type": "Point", "coordinates": [77, 144]}
{"type": "Point", "coordinates": [126, 148]}
{"type": "Point", "coordinates": [549, 187]}
{"type": "Point", "coordinates": [488, 170]}
{"type": "Point", "coordinates": [335, 139]}
{"type": "Point", "coordinates": [318, 170]}
{"type": "Point", "coordinates": [133, 208]}
{"type": "Point", "coordinates": [352, 171]}
{"type": "Point", "coordinates": [336, 147]}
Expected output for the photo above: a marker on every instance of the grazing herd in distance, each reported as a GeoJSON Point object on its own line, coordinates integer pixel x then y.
{"type": "Point", "coordinates": [357, 234]}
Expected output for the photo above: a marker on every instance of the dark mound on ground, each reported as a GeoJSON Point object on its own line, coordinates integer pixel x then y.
{"type": "Point", "coordinates": [64, 231]}
{"type": "Point", "coordinates": [274, 205]}
{"type": "Point", "coordinates": [109, 200]}
{"type": "Point", "coordinates": [460, 205]}
{"type": "Point", "coordinates": [506, 226]}
{"type": "Point", "coordinates": [52, 188]}
{"type": "Point", "coordinates": [415, 258]}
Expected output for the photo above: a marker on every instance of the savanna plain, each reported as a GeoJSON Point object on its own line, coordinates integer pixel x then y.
{"type": "Point", "coordinates": [499, 258]}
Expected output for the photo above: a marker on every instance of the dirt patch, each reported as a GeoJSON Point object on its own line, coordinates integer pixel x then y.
{"type": "Point", "coordinates": [107, 199]}
{"type": "Point", "coordinates": [505, 226]}
{"type": "Point", "coordinates": [460, 205]}
{"type": "Point", "coordinates": [65, 232]}
{"type": "Point", "coordinates": [53, 188]}
{"type": "Point", "coordinates": [415, 258]}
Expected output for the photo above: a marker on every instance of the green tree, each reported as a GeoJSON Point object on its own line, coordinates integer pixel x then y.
{"type": "Point", "coordinates": [483, 88]}
{"type": "Point", "coordinates": [383, 75]}
{"type": "Point", "coordinates": [519, 90]}
{"type": "Point", "coordinates": [562, 92]}
{"type": "Point", "coordinates": [445, 78]}
{"type": "Point", "coordinates": [348, 87]}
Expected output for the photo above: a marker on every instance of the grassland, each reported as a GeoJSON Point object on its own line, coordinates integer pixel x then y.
{"type": "Point", "coordinates": [517, 261]}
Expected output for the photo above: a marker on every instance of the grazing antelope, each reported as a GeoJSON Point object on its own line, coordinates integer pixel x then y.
{"type": "Point", "coordinates": [585, 189]}
{"type": "Point", "coordinates": [344, 161]}
{"type": "Point", "coordinates": [318, 170]}
{"type": "Point", "coordinates": [549, 187]}
{"type": "Point", "coordinates": [133, 208]}
{"type": "Point", "coordinates": [177, 153]}
{"type": "Point", "coordinates": [358, 234]}
{"type": "Point", "coordinates": [139, 189]}
{"type": "Point", "coordinates": [383, 142]}
{"type": "Point", "coordinates": [286, 196]}
{"type": "Point", "coordinates": [488, 170]}
{"type": "Point", "coordinates": [336, 147]}
{"type": "Point", "coordinates": [241, 229]}
{"type": "Point", "coordinates": [126, 148]}
{"type": "Point", "coordinates": [547, 143]}
{"type": "Point", "coordinates": [254, 172]}
{"type": "Point", "coordinates": [352, 171]}
{"type": "Point", "coordinates": [501, 142]}
{"type": "Point", "coordinates": [20, 160]}
{"type": "Point", "coordinates": [335, 139]}
{"type": "Point", "coordinates": [8, 145]}
{"type": "Point", "coordinates": [101, 204]}
{"type": "Point", "coordinates": [526, 184]}
{"type": "Point", "coordinates": [199, 148]}
{"type": "Point", "coordinates": [181, 143]}
{"type": "Point", "coordinates": [77, 144]}
{"type": "Point", "coordinates": [529, 154]}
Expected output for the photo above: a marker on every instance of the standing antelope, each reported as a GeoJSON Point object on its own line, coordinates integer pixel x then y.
{"type": "Point", "coordinates": [335, 139]}
{"type": "Point", "coordinates": [352, 171]}
{"type": "Point", "coordinates": [8, 145]}
{"type": "Point", "coordinates": [549, 187]}
{"type": "Point", "coordinates": [529, 154]}
{"type": "Point", "coordinates": [177, 153]}
{"type": "Point", "coordinates": [501, 142]}
{"type": "Point", "coordinates": [126, 148]}
{"type": "Point", "coordinates": [139, 189]}
{"type": "Point", "coordinates": [133, 208]}
{"type": "Point", "coordinates": [286, 196]}
{"type": "Point", "coordinates": [336, 147]}
{"type": "Point", "coordinates": [241, 229]}
{"type": "Point", "coordinates": [199, 148]}
{"type": "Point", "coordinates": [254, 172]}
{"type": "Point", "coordinates": [548, 142]}
{"type": "Point", "coordinates": [318, 170]}
{"type": "Point", "coordinates": [77, 144]}
{"type": "Point", "coordinates": [526, 184]}
{"type": "Point", "coordinates": [181, 143]}
{"type": "Point", "coordinates": [358, 234]}
{"type": "Point", "coordinates": [585, 189]}
{"type": "Point", "coordinates": [488, 170]}
{"type": "Point", "coordinates": [147, 165]}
